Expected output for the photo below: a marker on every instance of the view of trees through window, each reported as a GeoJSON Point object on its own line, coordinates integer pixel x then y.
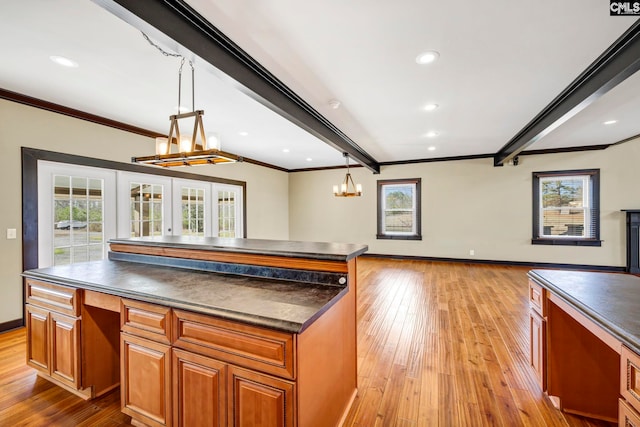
{"type": "Point", "coordinates": [78, 219]}
{"type": "Point", "coordinates": [398, 208]}
{"type": "Point", "coordinates": [193, 204]}
{"type": "Point", "coordinates": [226, 214]}
{"type": "Point", "coordinates": [565, 205]}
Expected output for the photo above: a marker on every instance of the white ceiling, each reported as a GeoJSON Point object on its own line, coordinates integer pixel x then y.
{"type": "Point", "coordinates": [501, 62]}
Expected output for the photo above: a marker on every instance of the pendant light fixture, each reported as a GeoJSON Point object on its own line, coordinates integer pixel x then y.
{"type": "Point", "coordinates": [347, 188]}
{"type": "Point", "coordinates": [179, 150]}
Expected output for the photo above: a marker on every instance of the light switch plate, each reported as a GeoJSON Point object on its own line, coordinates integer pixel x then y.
{"type": "Point", "coordinates": [11, 233]}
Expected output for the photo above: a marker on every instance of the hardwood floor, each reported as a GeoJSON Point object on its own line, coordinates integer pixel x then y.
{"type": "Point", "coordinates": [439, 344]}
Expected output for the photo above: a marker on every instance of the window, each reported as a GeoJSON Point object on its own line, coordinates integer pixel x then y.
{"type": "Point", "coordinates": [399, 209]}
{"type": "Point", "coordinates": [566, 208]}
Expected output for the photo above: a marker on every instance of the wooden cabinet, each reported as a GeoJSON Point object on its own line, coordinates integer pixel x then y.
{"type": "Point", "coordinates": [538, 332]}
{"type": "Point", "coordinates": [629, 407]}
{"type": "Point", "coordinates": [260, 400]}
{"type": "Point", "coordinates": [65, 349]}
{"type": "Point", "coordinates": [199, 390]}
{"type": "Point", "coordinates": [627, 416]}
{"type": "Point", "coordinates": [212, 379]}
{"type": "Point", "coordinates": [537, 356]}
{"type": "Point", "coordinates": [177, 367]}
{"type": "Point", "coordinates": [145, 363]}
{"type": "Point", "coordinates": [37, 321]}
{"type": "Point", "coordinates": [53, 334]}
{"type": "Point", "coordinates": [145, 384]}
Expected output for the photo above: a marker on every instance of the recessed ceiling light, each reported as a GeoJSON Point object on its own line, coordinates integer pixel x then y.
{"type": "Point", "coordinates": [309, 159]}
{"type": "Point", "coordinates": [432, 134]}
{"type": "Point", "coordinates": [243, 133]}
{"type": "Point", "coordinates": [335, 104]}
{"type": "Point", "coordinates": [430, 107]}
{"type": "Point", "coordinates": [432, 148]}
{"type": "Point", "coordinates": [285, 150]}
{"type": "Point", "coordinates": [610, 122]}
{"type": "Point", "coordinates": [65, 62]}
{"type": "Point", "coordinates": [427, 57]}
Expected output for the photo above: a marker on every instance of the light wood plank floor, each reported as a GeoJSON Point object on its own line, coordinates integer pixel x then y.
{"type": "Point", "coordinates": [439, 344]}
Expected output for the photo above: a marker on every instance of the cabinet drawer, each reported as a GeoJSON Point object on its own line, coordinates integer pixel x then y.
{"type": "Point", "coordinates": [146, 320]}
{"type": "Point", "coordinates": [54, 297]}
{"type": "Point", "coordinates": [537, 298]}
{"type": "Point", "coordinates": [630, 377]}
{"type": "Point", "coordinates": [244, 345]}
{"type": "Point", "coordinates": [627, 416]}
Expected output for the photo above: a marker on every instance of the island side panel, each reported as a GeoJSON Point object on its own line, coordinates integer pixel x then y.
{"type": "Point", "coordinates": [327, 362]}
{"type": "Point", "coordinates": [583, 371]}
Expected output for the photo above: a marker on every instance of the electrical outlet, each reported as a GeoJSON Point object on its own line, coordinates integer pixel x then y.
{"type": "Point", "coordinates": [472, 252]}
{"type": "Point", "coordinates": [11, 233]}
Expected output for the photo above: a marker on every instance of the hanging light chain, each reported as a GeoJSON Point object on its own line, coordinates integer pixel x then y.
{"type": "Point", "coordinates": [193, 74]}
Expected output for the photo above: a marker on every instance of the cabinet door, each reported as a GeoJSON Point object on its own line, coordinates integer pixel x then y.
{"type": "Point", "coordinates": [65, 349]}
{"type": "Point", "coordinates": [199, 390]}
{"type": "Point", "coordinates": [538, 349]}
{"type": "Point", "coordinates": [145, 383]}
{"type": "Point", "coordinates": [38, 338]}
{"type": "Point", "coordinates": [259, 400]}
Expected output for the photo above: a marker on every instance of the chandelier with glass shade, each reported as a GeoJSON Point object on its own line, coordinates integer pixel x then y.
{"type": "Point", "coordinates": [179, 149]}
{"type": "Point", "coordinates": [347, 188]}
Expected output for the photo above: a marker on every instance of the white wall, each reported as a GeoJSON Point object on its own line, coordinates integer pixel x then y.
{"type": "Point", "coordinates": [267, 189]}
{"type": "Point", "coordinates": [470, 204]}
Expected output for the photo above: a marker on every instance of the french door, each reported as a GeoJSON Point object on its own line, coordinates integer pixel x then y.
{"type": "Point", "coordinates": [206, 209]}
{"type": "Point", "coordinates": [76, 213]}
{"type": "Point", "coordinates": [80, 208]}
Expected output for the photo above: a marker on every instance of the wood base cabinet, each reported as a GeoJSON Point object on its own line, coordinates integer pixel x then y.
{"type": "Point", "coordinates": [199, 390]}
{"type": "Point", "coordinates": [145, 385]}
{"type": "Point", "coordinates": [538, 348]}
{"type": "Point", "coordinates": [538, 332]}
{"type": "Point", "coordinates": [260, 400]}
{"type": "Point", "coordinates": [53, 334]}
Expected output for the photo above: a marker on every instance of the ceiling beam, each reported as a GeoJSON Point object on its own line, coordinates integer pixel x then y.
{"type": "Point", "coordinates": [182, 24]}
{"type": "Point", "coordinates": [619, 61]}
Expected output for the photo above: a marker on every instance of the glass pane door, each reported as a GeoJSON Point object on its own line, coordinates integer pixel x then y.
{"type": "Point", "coordinates": [76, 213]}
{"type": "Point", "coordinates": [144, 205]}
{"type": "Point", "coordinates": [146, 209]}
{"type": "Point", "coordinates": [191, 213]}
{"type": "Point", "coordinates": [77, 219]}
{"type": "Point", "coordinates": [228, 211]}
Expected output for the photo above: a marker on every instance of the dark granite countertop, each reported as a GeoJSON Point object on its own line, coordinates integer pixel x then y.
{"type": "Point", "coordinates": [276, 304]}
{"type": "Point", "coordinates": [311, 250]}
{"type": "Point", "coordinates": [610, 300]}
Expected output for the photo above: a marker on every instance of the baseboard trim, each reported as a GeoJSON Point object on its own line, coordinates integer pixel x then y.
{"type": "Point", "coordinates": [531, 264]}
{"type": "Point", "coordinates": [12, 324]}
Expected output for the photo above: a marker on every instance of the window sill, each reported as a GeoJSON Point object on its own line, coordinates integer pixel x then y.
{"type": "Point", "coordinates": [566, 242]}
{"type": "Point", "coordinates": [397, 237]}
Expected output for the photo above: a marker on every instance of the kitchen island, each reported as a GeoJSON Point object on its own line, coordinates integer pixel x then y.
{"type": "Point", "coordinates": [203, 330]}
{"type": "Point", "coordinates": [585, 342]}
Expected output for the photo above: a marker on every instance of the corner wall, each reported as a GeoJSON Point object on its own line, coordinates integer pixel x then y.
{"type": "Point", "coordinates": [470, 204]}
{"type": "Point", "coordinates": [20, 125]}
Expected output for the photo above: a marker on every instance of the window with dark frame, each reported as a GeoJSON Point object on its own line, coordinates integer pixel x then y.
{"type": "Point", "coordinates": [566, 208]}
{"type": "Point", "coordinates": [399, 205]}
